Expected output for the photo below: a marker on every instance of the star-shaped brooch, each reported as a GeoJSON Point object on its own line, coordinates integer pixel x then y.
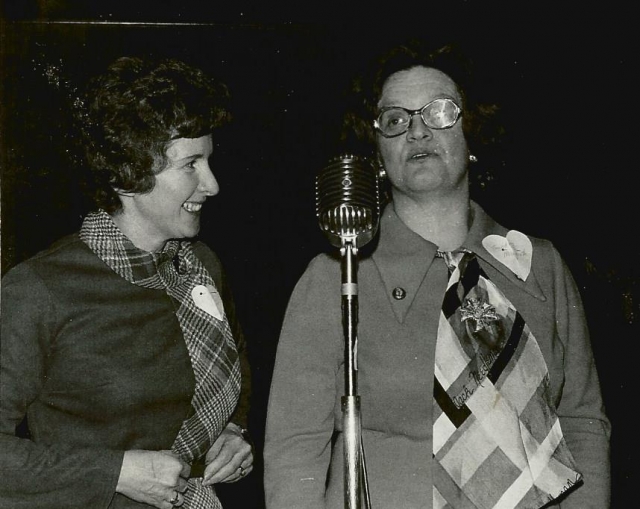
{"type": "Point", "coordinates": [480, 313]}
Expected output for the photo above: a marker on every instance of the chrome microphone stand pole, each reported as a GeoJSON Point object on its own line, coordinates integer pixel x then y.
{"type": "Point", "coordinates": [352, 434]}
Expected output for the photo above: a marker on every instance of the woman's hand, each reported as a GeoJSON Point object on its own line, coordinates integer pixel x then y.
{"type": "Point", "coordinates": [230, 457]}
{"type": "Point", "coordinates": [157, 478]}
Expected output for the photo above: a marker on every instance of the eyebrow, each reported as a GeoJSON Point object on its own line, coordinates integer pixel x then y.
{"type": "Point", "coordinates": [438, 96]}
{"type": "Point", "coordinates": [190, 156]}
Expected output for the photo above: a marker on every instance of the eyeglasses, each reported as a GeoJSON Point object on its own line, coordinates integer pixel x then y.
{"type": "Point", "coordinates": [437, 114]}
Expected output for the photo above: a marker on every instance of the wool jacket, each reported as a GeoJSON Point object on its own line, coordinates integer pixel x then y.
{"type": "Point", "coordinates": [98, 366]}
{"type": "Point", "coordinates": [401, 284]}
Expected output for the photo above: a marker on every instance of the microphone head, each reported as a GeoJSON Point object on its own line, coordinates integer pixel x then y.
{"type": "Point", "coordinates": [348, 200]}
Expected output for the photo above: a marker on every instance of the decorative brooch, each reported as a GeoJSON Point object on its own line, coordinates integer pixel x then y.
{"type": "Point", "coordinates": [479, 313]}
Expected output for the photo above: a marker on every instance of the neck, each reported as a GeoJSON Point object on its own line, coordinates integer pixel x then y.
{"type": "Point", "coordinates": [137, 235]}
{"type": "Point", "coordinates": [443, 220]}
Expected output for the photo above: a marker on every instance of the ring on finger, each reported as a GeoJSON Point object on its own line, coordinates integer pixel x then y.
{"type": "Point", "coordinates": [241, 471]}
{"type": "Point", "coordinates": [175, 498]}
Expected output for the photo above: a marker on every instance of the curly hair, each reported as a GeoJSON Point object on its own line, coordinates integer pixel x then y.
{"type": "Point", "coordinates": [366, 90]}
{"type": "Point", "coordinates": [133, 111]}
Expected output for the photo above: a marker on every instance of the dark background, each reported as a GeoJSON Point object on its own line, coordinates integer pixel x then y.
{"type": "Point", "coordinates": [566, 170]}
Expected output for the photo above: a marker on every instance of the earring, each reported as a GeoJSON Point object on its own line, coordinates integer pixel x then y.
{"type": "Point", "coordinates": [382, 173]}
{"type": "Point", "coordinates": [472, 158]}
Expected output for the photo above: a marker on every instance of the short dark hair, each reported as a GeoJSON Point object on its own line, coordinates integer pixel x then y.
{"type": "Point", "coordinates": [133, 111]}
{"type": "Point", "coordinates": [366, 89]}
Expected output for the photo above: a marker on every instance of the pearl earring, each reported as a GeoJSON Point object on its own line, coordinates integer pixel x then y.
{"type": "Point", "coordinates": [473, 158]}
{"type": "Point", "coordinates": [382, 173]}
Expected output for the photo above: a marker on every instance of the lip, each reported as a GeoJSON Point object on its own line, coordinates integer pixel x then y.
{"type": "Point", "coordinates": [420, 155]}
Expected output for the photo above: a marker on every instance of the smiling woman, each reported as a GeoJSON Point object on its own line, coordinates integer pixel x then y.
{"type": "Point", "coordinates": [132, 312]}
{"type": "Point", "coordinates": [172, 208]}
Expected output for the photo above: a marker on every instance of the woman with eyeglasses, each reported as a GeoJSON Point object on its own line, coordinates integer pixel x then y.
{"type": "Point", "coordinates": [475, 373]}
{"type": "Point", "coordinates": [124, 381]}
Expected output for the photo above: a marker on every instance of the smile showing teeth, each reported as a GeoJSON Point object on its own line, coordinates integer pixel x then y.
{"type": "Point", "coordinates": [192, 207]}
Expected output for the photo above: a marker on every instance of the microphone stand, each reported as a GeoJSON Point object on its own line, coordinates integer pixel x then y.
{"type": "Point", "coordinates": [355, 476]}
{"type": "Point", "coordinates": [348, 208]}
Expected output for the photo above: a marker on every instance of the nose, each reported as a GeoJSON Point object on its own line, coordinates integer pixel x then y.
{"type": "Point", "coordinates": [208, 183]}
{"type": "Point", "coordinates": [417, 128]}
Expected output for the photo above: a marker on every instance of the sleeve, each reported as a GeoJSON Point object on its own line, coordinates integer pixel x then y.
{"type": "Point", "coordinates": [301, 407]}
{"type": "Point", "coordinates": [35, 475]}
{"type": "Point", "coordinates": [241, 413]}
{"type": "Point", "coordinates": [585, 425]}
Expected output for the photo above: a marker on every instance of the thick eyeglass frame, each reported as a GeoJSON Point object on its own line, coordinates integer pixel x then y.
{"type": "Point", "coordinates": [413, 113]}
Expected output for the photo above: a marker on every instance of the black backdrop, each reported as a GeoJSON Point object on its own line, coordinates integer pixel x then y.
{"type": "Point", "coordinates": [565, 172]}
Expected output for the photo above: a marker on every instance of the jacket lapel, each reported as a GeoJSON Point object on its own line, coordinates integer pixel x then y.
{"type": "Point", "coordinates": [483, 226]}
{"type": "Point", "coordinates": [403, 259]}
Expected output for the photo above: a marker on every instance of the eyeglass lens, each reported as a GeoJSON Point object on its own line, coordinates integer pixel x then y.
{"type": "Point", "coordinates": [438, 114]}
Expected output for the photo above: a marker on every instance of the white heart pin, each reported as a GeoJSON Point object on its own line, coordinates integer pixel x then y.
{"type": "Point", "coordinates": [205, 298]}
{"type": "Point", "coordinates": [217, 299]}
{"type": "Point", "coordinates": [514, 251]}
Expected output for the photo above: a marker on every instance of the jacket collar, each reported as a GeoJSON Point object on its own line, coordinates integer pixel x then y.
{"type": "Point", "coordinates": [403, 257]}
{"type": "Point", "coordinates": [483, 225]}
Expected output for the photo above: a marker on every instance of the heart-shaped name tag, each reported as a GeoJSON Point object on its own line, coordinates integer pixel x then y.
{"type": "Point", "coordinates": [208, 299]}
{"type": "Point", "coordinates": [514, 251]}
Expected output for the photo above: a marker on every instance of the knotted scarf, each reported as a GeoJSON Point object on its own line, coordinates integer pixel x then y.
{"type": "Point", "coordinates": [497, 441]}
{"type": "Point", "coordinates": [209, 340]}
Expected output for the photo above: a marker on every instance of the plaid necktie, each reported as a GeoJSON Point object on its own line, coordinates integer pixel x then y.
{"type": "Point", "coordinates": [497, 441]}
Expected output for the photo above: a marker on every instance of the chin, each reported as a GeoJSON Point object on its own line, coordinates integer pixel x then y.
{"type": "Point", "coordinates": [191, 228]}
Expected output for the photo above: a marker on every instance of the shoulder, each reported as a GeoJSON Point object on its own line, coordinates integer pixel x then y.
{"type": "Point", "coordinates": [205, 253]}
{"type": "Point", "coordinates": [209, 259]}
{"type": "Point", "coordinates": [545, 256]}
{"type": "Point", "coordinates": [321, 278]}
{"type": "Point", "coordinates": [490, 235]}
{"type": "Point", "coordinates": [322, 266]}
{"type": "Point", "coordinates": [67, 252]}
{"type": "Point", "coordinates": [212, 263]}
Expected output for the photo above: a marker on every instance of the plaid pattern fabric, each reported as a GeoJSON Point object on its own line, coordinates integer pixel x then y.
{"type": "Point", "coordinates": [497, 441]}
{"type": "Point", "coordinates": [210, 343]}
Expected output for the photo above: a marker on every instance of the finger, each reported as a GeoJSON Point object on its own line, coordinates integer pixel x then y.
{"type": "Point", "coordinates": [182, 485]}
{"type": "Point", "coordinates": [175, 498]}
{"type": "Point", "coordinates": [243, 472]}
{"type": "Point", "coordinates": [222, 466]}
{"type": "Point", "coordinates": [213, 476]}
{"type": "Point", "coordinates": [186, 470]}
{"type": "Point", "coordinates": [247, 462]}
{"type": "Point", "coordinates": [180, 500]}
{"type": "Point", "coordinates": [239, 474]}
{"type": "Point", "coordinates": [223, 462]}
{"type": "Point", "coordinates": [230, 472]}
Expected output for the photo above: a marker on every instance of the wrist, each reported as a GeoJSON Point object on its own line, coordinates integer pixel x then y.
{"type": "Point", "coordinates": [240, 430]}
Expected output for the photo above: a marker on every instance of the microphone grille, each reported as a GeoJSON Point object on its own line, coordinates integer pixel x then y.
{"type": "Point", "coordinates": [348, 200]}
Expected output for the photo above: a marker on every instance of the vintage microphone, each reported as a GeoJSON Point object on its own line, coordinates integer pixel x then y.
{"type": "Point", "coordinates": [348, 200]}
{"type": "Point", "coordinates": [348, 212]}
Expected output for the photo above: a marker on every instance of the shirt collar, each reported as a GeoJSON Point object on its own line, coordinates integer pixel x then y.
{"type": "Point", "coordinates": [403, 257]}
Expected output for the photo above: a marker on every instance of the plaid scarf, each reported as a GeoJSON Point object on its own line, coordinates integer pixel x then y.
{"type": "Point", "coordinates": [497, 441]}
{"type": "Point", "coordinates": [209, 341]}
